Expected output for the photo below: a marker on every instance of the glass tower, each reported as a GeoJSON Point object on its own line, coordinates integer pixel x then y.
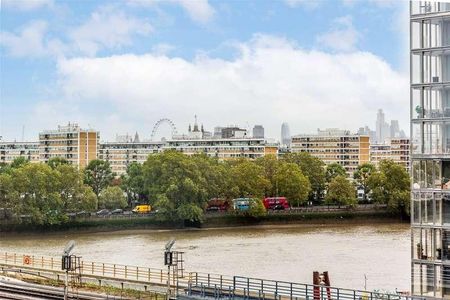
{"type": "Point", "coordinates": [430, 148]}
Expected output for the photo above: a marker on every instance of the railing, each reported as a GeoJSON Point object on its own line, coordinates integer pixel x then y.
{"type": "Point", "coordinates": [201, 284]}
{"type": "Point", "coordinates": [219, 286]}
{"type": "Point", "coordinates": [95, 269]}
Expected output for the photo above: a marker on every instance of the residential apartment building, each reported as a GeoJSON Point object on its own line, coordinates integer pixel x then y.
{"type": "Point", "coordinates": [397, 150]}
{"type": "Point", "coordinates": [79, 146]}
{"type": "Point", "coordinates": [121, 154]}
{"type": "Point", "coordinates": [430, 148]}
{"type": "Point", "coordinates": [12, 150]}
{"type": "Point", "coordinates": [224, 148]}
{"type": "Point", "coordinates": [335, 146]}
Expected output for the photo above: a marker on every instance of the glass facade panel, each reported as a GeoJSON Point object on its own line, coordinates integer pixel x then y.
{"type": "Point", "coordinates": [430, 148]}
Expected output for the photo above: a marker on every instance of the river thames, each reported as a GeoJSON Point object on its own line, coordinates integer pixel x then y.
{"type": "Point", "coordinates": [379, 252]}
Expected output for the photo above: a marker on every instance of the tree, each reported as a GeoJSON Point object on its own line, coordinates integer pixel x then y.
{"type": "Point", "coordinates": [173, 180]}
{"type": "Point", "coordinates": [35, 194]}
{"type": "Point", "coordinates": [391, 185]}
{"type": "Point", "coordinates": [98, 175]}
{"type": "Point", "coordinates": [313, 168]}
{"type": "Point", "coordinates": [75, 195]}
{"type": "Point", "coordinates": [248, 179]}
{"type": "Point", "coordinates": [190, 212]}
{"type": "Point", "coordinates": [112, 197]}
{"type": "Point", "coordinates": [361, 176]}
{"type": "Point", "coordinates": [341, 192]}
{"type": "Point", "coordinates": [292, 183]}
{"type": "Point", "coordinates": [270, 163]}
{"type": "Point", "coordinates": [334, 170]}
{"type": "Point", "coordinates": [256, 209]}
{"type": "Point", "coordinates": [19, 162]}
{"type": "Point", "coordinates": [133, 183]}
{"type": "Point", "coordinates": [57, 161]}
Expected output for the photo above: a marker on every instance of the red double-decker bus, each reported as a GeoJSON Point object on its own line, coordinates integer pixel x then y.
{"type": "Point", "coordinates": [218, 204]}
{"type": "Point", "coordinates": [276, 203]}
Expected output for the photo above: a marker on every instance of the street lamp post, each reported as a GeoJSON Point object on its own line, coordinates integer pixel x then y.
{"type": "Point", "coordinates": [67, 265]}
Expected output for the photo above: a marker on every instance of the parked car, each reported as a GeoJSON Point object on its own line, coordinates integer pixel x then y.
{"type": "Point", "coordinates": [103, 212]}
{"type": "Point", "coordinates": [117, 211]}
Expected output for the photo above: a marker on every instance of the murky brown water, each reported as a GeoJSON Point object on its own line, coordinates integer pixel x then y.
{"type": "Point", "coordinates": [381, 251]}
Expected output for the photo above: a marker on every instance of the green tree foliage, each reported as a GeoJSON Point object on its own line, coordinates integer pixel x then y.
{"type": "Point", "coordinates": [216, 173]}
{"type": "Point", "coordinates": [313, 168]}
{"type": "Point", "coordinates": [391, 185]}
{"type": "Point", "coordinates": [248, 179]}
{"type": "Point", "coordinates": [361, 176]}
{"type": "Point", "coordinates": [190, 212]}
{"type": "Point", "coordinates": [19, 162]}
{"type": "Point", "coordinates": [76, 196]}
{"type": "Point", "coordinates": [257, 208]}
{"type": "Point", "coordinates": [112, 197]}
{"type": "Point", "coordinates": [38, 194]}
{"type": "Point", "coordinates": [292, 183]}
{"type": "Point", "coordinates": [54, 162]}
{"type": "Point", "coordinates": [133, 184]}
{"type": "Point", "coordinates": [98, 175]}
{"type": "Point", "coordinates": [334, 170]}
{"type": "Point", "coordinates": [172, 180]}
{"type": "Point", "coordinates": [270, 164]}
{"type": "Point", "coordinates": [341, 192]}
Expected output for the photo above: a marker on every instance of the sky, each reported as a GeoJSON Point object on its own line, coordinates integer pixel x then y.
{"type": "Point", "coordinates": [120, 66]}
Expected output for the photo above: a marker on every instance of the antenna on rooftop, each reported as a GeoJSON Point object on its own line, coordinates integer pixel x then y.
{"type": "Point", "coordinates": [23, 132]}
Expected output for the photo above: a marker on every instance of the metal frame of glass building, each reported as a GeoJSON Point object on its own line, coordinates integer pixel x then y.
{"type": "Point", "coordinates": [430, 148]}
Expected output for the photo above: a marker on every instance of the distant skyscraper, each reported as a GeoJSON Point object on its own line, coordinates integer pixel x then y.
{"type": "Point", "coordinates": [258, 131]}
{"type": "Point", "coordinates": [285, 135]}
{"type": "Point", "coordinates": [395, 129]}
{"type": "Point", "coordinates": [382, 128]}
{"type": "Point", "coordinates": [379, 126]}
{"type": "Point", "coordinates": [366, 131]}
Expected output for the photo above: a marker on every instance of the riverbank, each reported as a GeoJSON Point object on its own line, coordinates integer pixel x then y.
{"type": "Point", "coordinates": [216, 220]}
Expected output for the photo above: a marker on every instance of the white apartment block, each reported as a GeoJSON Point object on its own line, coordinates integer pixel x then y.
{"type": "Point", "coordinates": [121, 154]}
{"type": "Point", "coordinates": [9, 151]}
{"type": "Point", "coordinates": [224, 148]}
{"type": "Point", "coordinates": [396, 149]}
{"type": "Point", "coordinates": [334, 146]}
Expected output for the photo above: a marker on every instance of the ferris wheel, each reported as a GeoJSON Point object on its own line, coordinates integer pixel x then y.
{"type": "Point", "coordinates": [161, 122]}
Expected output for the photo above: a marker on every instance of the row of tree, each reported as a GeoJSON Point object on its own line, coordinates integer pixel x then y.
{"type": "Point", "coordinates": [46, 193]}
{"type": "Point", "coordinates": [179, 186]}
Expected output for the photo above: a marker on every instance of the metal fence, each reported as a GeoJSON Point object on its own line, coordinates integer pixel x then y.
{"type": "Point", "coordinates": [201, 284]}
{"type": "Point", "coordinates": [94, 269]}
{"type": "Point", "coordinates": [219, 286]}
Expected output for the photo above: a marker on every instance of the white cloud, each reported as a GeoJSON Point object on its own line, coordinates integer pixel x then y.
{"type": "Point", "coordinates": [309, 4]}
{"type": "Point", "coordinates": [341, 37]}
{"type": "Point", "coordinates": [109, 28]}
{"type": "Point", "coordinates": [28, 42]}
{"type": "Point", "coordinates": [26, 5]}
{"type": "Point", "coordinates": [200, 11]}
{"type": "Point", "coordinates": [271, 81]}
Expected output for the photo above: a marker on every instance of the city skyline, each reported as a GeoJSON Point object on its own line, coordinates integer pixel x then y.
{"type": "Point", "coordinates": [120, 136]}
{"type": "Point", "coordinates": [169, 72]}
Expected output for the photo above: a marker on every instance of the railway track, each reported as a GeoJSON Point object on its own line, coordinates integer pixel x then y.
{"type": "Point", "coordinates": [18, 290]}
